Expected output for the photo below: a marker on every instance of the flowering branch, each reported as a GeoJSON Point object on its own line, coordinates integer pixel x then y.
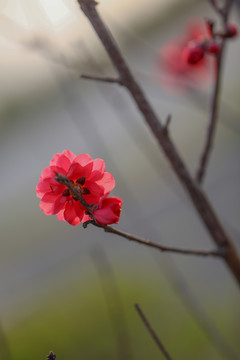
{"type": "Point", "coordinates": [51, 356]}
{"type": "Point", "coordinates": [152, 332]}
{"type": "Point", "coordinates": [211, 129]}
{"type": "Point", "coordinates": [197, 196]}
{"type": "Point", "coordinates": [62, 179]}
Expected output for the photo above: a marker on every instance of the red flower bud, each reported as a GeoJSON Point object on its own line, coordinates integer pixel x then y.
{"type": "Point", "coordinates": [212, 47]}
{"type": "Point", "coordinates": [231, 31]}
{"type": "Point", "coordinates": [193, 53]}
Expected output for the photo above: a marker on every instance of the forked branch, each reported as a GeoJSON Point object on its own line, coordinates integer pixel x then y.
{"type": "Point", "coordinates": [199, 199]}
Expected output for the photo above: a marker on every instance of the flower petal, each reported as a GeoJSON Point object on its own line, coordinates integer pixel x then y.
{"type": "Point", "coordinates": [73, 214]}
{"type": "Point", "coordinates": [83, 159]}
{"type": "Point", "coordinates": [107, 182]}
{"type": "Point", "coordinates": [98, 169]}
{"type": "Point", "coordinates": [95, 189]}
{"type": "Point", "coordinates": [77, 171]}
{"type": "Point", "coordinates": [47, 182]}
{"type": "Point", "coordinates": [60, 215]}
{"type": "Point", "coordinates": [61, 160]}
{"type": "Point", "coordinates": [52, 204]}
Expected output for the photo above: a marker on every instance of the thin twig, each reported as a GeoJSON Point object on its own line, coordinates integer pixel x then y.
{"type": "Point", "coordinates": [214, 107]}
{"type": "Point", "coordinates": [162, 248]}
{"type": "Point", "coordinates": [101, 79]}
{"type": "Point", "coordinates": [167, 123]}
{"type": "Point", "coordinates": [152, 333]}
{"type": "Point", "coordinates": [197, 196]}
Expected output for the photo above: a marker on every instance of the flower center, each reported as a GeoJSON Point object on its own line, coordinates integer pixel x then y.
{"type": "Point", "coordinates": [79, 184]}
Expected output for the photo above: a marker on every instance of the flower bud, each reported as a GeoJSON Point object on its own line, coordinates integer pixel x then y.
{"type": "Point", "coordinates": [231, 31]}
{"type": "Point", "coordinates": [193, 53]}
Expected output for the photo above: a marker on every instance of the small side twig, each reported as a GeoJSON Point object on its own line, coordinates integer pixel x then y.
{"type": "Point", "coordinates": [167, 123]}
{"type": "Point", "coordinates": [152, 333]}
{"type": "Point", "coordinates": [214, 107]}
{"type": "Point", "coordinates": [102, 79]}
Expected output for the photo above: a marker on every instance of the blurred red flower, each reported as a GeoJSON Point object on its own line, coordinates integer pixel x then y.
{"type": "Point", "coordinates": [176, 72]}
{"type": "Point", "coordinates": [85, 173]}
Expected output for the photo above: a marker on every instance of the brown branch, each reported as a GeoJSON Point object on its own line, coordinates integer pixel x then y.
{"type": "Point", "coordinates": [199, 199]}
{"type": "Point", "coordinates": [214, 107]}
{"type": "Point", "coordinates": [152, 333]}
{"type": "Point", "coordinates": [101, 79]}
{"type": "Point", "coordinates": [211, 129]}
{"type": "Point", "coordinates": [162, 248]}
{"type": "Point", "coordinates": [194, 307]}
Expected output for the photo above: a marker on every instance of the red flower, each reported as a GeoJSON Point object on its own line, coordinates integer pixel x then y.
{"type": "Point", "coordinates": [176, 70]}
{"type": "Point", "coordinates": [108, 211]}
{"type": "Point", "coordinates": [85, 173]}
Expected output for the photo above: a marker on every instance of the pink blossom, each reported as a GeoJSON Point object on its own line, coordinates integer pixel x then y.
{"type": "Point", "coordinates": [85, 173]}
{"type": "Point", "coordinates": [175, 69]}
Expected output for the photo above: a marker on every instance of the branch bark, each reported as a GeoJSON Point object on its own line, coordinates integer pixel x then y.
{"type": "Point", "coordinates": [199, 199]}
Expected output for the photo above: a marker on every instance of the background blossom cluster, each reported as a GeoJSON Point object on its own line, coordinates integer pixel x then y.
{"type": "Point", "coordinates": [92, 182]}
{"type": "Point", "coordinates": [183, 60]}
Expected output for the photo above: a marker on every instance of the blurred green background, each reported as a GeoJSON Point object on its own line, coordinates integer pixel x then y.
{"type": "Point", "coordinates": [72, 290]}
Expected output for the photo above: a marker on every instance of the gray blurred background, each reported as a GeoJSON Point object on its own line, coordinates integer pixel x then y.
{"type": "Point", "coordinates": [54, 277]}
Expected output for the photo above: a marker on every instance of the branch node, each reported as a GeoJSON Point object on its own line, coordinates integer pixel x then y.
{"type": "Point", "coordinates": [167, 124]}
{"type": "Point", "coordinates": [86, 223]}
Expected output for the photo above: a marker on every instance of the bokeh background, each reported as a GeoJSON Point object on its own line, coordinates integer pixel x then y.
{"type": "Point", "coordinates": [71, 290]}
